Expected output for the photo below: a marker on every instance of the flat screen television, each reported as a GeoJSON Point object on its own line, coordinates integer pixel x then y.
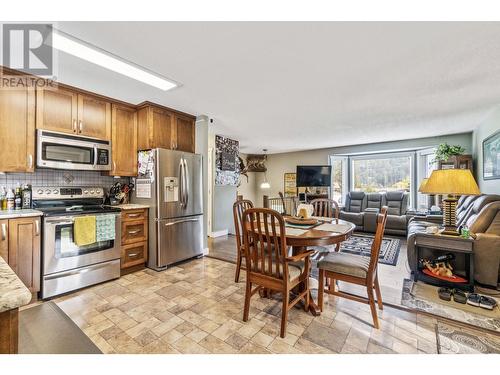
{"type": "Point", "coordinates": [314, 175]}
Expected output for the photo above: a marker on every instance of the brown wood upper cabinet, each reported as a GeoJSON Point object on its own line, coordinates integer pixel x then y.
{"type": "Point", "coordinates": [184, 133]}
{"type": "Point", "coordinates": [123, 141]}
{"type": "Point", "coordinates": [161, 127]}
{"type": "Point", "coordinates": [17, 130]}
{"type": "Point", "coordinates": [24, 250]}
{"type": "Point", "coordinates": [67, 111]}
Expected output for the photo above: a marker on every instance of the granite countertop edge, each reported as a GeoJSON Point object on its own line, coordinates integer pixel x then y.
{"type": "Point", "coordinates": [131, 206]}
{"type": "Point", "coordinates": [13, 293]}
{"type": "Point", "coordinates": [14, 214]}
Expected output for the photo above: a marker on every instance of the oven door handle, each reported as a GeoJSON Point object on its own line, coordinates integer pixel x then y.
{"type": "Point", "coordinates": [59, 222]}
{"type": "Point", "coordinates": [77, 271]}
{"type": "Point", "coordinates": [95, 156]}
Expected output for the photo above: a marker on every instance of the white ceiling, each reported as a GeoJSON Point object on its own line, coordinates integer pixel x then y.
{"type": "Point", "coordinates": [295, 86]}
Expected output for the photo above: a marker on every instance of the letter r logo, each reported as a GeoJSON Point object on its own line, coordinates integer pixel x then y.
{"type": "Point", "coordinates": [28, 47]}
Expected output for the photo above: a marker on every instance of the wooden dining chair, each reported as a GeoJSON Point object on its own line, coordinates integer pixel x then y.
{"type": "Point", "coordinates": [355, 269]}
{"type": "Point", "coordinates": [238, 208]}
{"type": "Point", "coordinates": [325, 207]}
{"type": "Point", "coordinates": [268, 265]}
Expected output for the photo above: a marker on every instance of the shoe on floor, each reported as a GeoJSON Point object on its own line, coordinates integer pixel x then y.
{"type": "Point", "coordinates": [459, 296]}
{"type": "Point", "coordinates": [445, 294]}
{"type": "Point", "coordinates": [487, 303]}
{"type": "Point", "coordinates": [473, 299]}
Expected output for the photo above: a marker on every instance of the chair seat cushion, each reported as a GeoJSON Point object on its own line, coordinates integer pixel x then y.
{"type": "Point", "coordinates": [346, 264]}
{"type": "Point", "coordinates": [295, 269]}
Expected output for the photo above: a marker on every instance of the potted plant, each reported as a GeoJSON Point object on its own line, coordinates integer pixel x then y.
{"type": "Point", "coordinates": [445, 152]}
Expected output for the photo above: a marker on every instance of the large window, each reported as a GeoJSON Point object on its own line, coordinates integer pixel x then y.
{"type": "Point", "coordinates": [382, 173]}
{"type": "Point", "coordinates": [339, 177]}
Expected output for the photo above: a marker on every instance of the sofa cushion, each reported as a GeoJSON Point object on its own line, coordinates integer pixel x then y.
{"type": "Point", "coordinates": [396, 222]}
{"type": "Point", "coordinates": [346, 264]}
{"type": "Point", "coordinates": [353, 217]}
{"type": "Point", "coordinates": [356, 201]}
{"type": "Point", "coordinates": [374, 200]}
{"type": "Point", "coordinates": [396, 202]}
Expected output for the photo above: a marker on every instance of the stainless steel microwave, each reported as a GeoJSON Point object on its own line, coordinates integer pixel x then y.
{"type": "Point", "coordinates": [64, 151]}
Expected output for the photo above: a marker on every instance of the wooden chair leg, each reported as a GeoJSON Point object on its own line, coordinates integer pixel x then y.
{"type": "Point", "coordinates": [238, 268]}
{"type": "Point", "coordinates": [337, 247]}
{"type": "Point", "coordinates": [371, 302]}
{"type": "Point", "coordinates": [306, 298]}
{"type": "Point", "coordinates": [284, 313]}
{"type": "Point", "coordinates": [248, 294]}
{"type": "Point", "coordinates": [321, 288]}
{"type": "Point", "coordinates": [379, 295]}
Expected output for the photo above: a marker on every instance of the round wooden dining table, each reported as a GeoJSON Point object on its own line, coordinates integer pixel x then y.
{"type": "Point", "coordinates": [314, 236]}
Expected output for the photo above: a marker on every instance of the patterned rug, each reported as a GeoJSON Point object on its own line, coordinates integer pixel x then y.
{"type": "Point", "coordinates": [361, 245]}
{"type": "Point", "coordinates": [423, 297]}
{"type": "Point", "coordinates": [454, 339]}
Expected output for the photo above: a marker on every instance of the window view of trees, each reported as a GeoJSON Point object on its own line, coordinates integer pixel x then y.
{"type": "Point", "coordinates": [382, 174]}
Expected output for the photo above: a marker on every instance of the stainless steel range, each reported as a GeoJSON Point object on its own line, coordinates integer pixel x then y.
{"type": "Point", "coordinates": [65, 265]}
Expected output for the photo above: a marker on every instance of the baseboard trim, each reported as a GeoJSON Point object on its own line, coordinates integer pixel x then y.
{"type": "Point", "coordinates": [219, 233]}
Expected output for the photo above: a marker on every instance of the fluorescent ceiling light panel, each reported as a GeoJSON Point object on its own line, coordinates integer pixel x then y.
{"type": "Point", "coordinates": [95, 55]}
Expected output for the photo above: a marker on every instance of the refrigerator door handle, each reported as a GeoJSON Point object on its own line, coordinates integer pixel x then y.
{"type": "Point", "coordinates": [180, 222]}
{"type": "Point", "coordinates": [186, 183]}
{"type": "Point", "coordinates": [181, 182]}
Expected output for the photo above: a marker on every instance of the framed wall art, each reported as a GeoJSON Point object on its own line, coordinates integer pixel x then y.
{"type": "Point", "coordinates": [491, 157]}
{"type": "Point", "coordinates": [290, 184]}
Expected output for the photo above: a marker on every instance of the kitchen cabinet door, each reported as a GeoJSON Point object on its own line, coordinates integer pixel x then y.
{"type": "Point", "coordinates": [56, 110]}
{"type": "Point", "coordinates": [184, 133]}
{"type": "Point", "coordinates": [94, 117]}
{"type": "Point", "coordinates": [162, 128]}
{"type": "Point", "coordinates": [24, 251]}
{"type": "Point", "coordinates": [17, 130]}
{"type": "Point", "coordinates": [4, 240]}
{"type": "Point", "coordinates": [124, 141]}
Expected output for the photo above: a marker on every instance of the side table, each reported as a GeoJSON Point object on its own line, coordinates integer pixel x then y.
{"type": "Point", "coordinates": [442, 244]}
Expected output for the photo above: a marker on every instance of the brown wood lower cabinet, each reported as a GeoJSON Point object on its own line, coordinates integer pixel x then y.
{"type": "Point", "coordinates": [134, 239]}
{"type": "Point", "coordinates": [9, 331]}
{"type": "Point", "coordinates": [24, 250]}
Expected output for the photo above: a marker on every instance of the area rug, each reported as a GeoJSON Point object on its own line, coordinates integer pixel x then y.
{"type": "Point", "coordinates": [46, 329]}
{"type": "Point", "coordinates": [361, 245]}
{"type": "Point", "coordinates": [423, 297]}
{"type": "Point", "coordinates": [455, 339]}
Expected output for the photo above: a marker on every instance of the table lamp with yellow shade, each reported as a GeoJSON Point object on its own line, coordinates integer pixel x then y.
{"type": "Point", "coordinates": [452, 182]}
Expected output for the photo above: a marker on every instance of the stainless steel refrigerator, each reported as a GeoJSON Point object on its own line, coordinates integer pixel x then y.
{"type": "Point", "coordinates": [170, 183]}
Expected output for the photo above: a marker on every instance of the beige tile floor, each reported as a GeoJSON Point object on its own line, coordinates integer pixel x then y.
{"type": "Point", "coordinates": [196, 307]}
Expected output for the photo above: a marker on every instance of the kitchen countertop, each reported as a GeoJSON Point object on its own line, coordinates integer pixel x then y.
{"type": "Point", "coordinates": [131, 206]}
{"type": "Point", "coordinates": [13, 293]}
{"type": "Point", "coordinates": [13, 214]}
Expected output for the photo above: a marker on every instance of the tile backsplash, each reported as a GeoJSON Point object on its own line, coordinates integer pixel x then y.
{"type": "Point", "coordinates": [49, 177]}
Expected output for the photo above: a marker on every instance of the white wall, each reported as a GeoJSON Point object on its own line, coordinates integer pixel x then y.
{"type": "Point", "coordinates": [489, 126]}
{"type": "Point", "coordinates": [201, 147]}
{"type": "Point", "coordinates": [278, 164]}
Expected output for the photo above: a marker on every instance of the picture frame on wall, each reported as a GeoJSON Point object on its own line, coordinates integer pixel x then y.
{"type": "Point", "coordinates": [491, 157]}
{"type": "Point", "coordinates": [290, 184]}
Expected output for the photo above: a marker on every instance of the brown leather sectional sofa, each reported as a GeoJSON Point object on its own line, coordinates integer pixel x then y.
{"type": "Point", "coordinates": [481, 214]}
{"type": "Point", "coordinates": [362, 208]}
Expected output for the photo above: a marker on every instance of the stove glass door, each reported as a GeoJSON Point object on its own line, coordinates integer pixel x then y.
{"type": "Point", "coordinates": [66, 247]}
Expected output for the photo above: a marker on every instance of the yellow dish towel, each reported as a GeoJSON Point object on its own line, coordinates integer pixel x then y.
{"type": "Point", "coordinates": [84, 228]}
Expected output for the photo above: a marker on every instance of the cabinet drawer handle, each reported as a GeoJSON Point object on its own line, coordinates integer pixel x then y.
{"type": "Point", "coordinates": [81, 125]}
{"type": "Point", "coordinates": [30, 161]}
{"type": "Point", "coordinates": [133, 231]}
{"type": "Point", "coordinates": [74, 126]}
{"type": "Point", "coordinates": [37, 228]}
{"type": "Point", "coordinates": [4, 232]}
{"type": "Point", "coordinates": [134, 215]}
{"type": "Point", "coordinates": [131, 255]}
